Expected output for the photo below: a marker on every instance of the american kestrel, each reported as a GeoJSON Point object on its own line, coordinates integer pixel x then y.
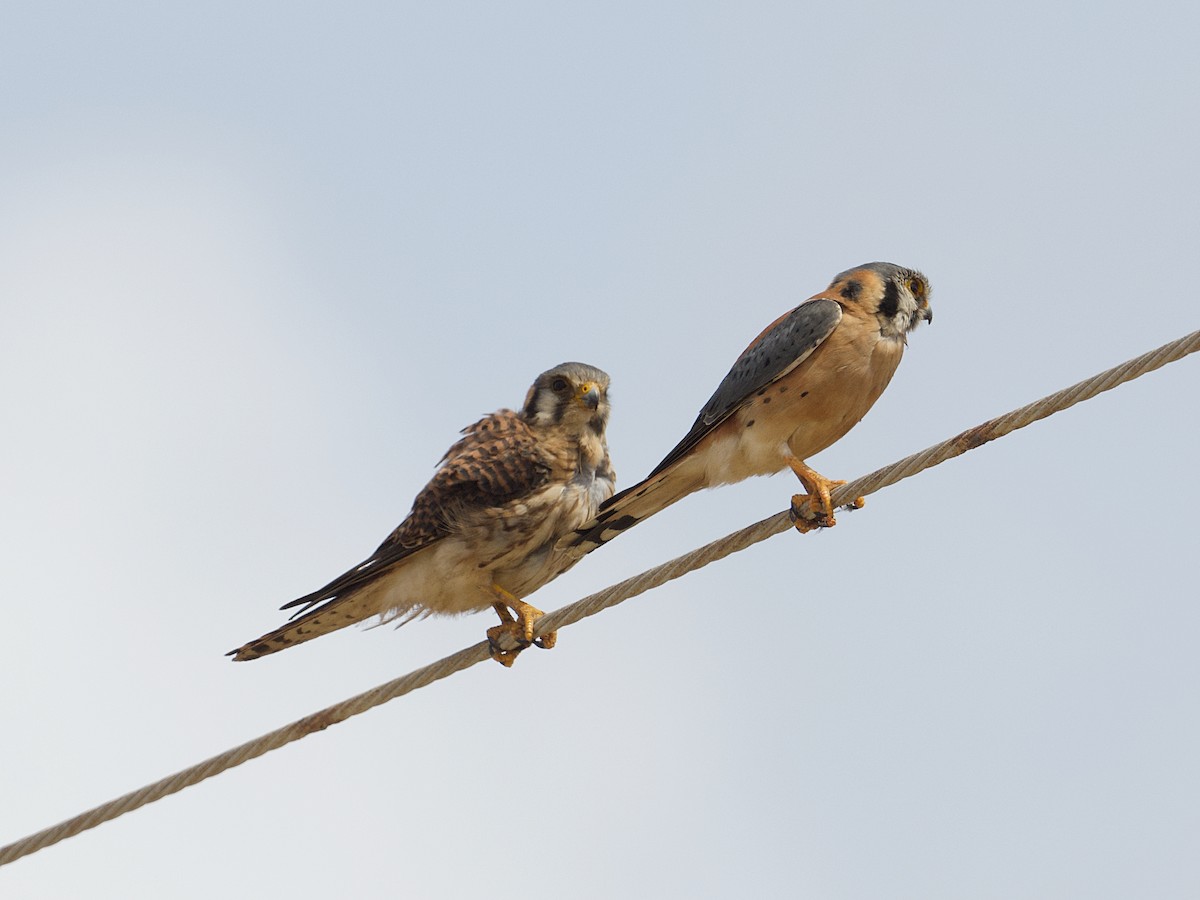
{"type": "Point", "coordinates": [483, 531]}
{"type": "Point", "coordinates": [800, 385]}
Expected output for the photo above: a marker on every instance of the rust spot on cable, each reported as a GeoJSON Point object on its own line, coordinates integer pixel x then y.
{"type": "Point", "coordinates": [975, 437]}
{"type": "Point", "coordinates": [317, 722]}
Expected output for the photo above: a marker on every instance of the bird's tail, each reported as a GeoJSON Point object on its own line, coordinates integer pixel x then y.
{"type": "Point", "coordinates": [337, 613]}
{"type": "Point", "coordinates": [624, 510]}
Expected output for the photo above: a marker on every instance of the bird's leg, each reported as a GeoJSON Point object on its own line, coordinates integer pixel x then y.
{"type": "Point", "coordinates": [519, 628]}
{"type": "Point", "coordinates": [819, 502]}
{"type": "Point", "coordinates": [507, 626]}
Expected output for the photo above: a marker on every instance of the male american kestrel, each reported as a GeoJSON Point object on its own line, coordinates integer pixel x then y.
{"type": "Point", "coordinates": [483, 531]}
{"type": "Point", "coordinates": [800, 385]}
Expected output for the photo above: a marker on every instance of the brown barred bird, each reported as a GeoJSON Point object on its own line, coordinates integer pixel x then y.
{"type": "Point", "coordinates": [483, 531]}
{"type": "Point", "coordinates": [800, 386]}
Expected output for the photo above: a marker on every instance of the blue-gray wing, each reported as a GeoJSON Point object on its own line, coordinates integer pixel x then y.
{"type": "Point", "coordinates": [785, 344]}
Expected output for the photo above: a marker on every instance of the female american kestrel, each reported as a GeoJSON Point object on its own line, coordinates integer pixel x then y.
{"type": "Point", "coordinates": [800, 385]}
{"type": "Point", "coordinates": [483, 531]}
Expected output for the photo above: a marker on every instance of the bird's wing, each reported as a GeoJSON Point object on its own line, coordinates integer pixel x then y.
{"type": "Point", "coordinates": [497, 460]}
{"type": "Point", "coordinates": [786, 343]}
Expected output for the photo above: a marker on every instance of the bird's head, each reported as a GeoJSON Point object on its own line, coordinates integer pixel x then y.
{"type": "Point", "coordinates": [898, 297]}
{"type": "Point", "coordinates": [571, 394]}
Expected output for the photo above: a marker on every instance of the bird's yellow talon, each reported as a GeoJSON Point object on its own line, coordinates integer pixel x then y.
{"type": "Point", "coordinates": [494, 634]}
{"type": "Point", "coordinates": [815, 518]}
{"type": "Point", "coordinates": [820, 504]}
{"type": "Point", "coordinates": [803, 525]}
{"type": "Point", "coordinates": [519, 627]}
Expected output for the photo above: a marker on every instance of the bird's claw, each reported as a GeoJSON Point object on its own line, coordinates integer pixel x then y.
{"type": "Point", "coordinates": [518, 630]}
{"type": "Point", "coordinates": [806, 517]}
{"type": "Point", "coordinates": [815, 509]}
{"type": "Point", "coordinates": [512, 630]}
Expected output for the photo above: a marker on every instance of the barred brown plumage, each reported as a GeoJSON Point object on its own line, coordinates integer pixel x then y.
{"type": "Point", "coordinates": [483, 530]}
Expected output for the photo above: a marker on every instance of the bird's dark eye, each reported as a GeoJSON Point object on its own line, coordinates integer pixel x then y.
{"type": "Point", "coordinates": [558, 385]}
{"type": "Point", "coordinates": [917, 287]}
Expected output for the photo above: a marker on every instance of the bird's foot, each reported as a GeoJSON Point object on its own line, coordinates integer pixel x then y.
{"type": "Point", "coordinates": [518, 629]}
{"type": "Point", "coordinates": [495, 635]}
{"type": "Point", "coordinates": [815, 509]}
{"type": "Point", "coordinates": [815, 518]}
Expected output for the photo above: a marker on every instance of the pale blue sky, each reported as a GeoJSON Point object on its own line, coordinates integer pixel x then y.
{"type": "Point", "coordinates": [260, 262]}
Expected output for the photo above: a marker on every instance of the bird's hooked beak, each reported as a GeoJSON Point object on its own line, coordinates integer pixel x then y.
{"type": "Point", "coordinates": [589, 395]}
{"type": "Point", "coordinates": [925, 312]}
